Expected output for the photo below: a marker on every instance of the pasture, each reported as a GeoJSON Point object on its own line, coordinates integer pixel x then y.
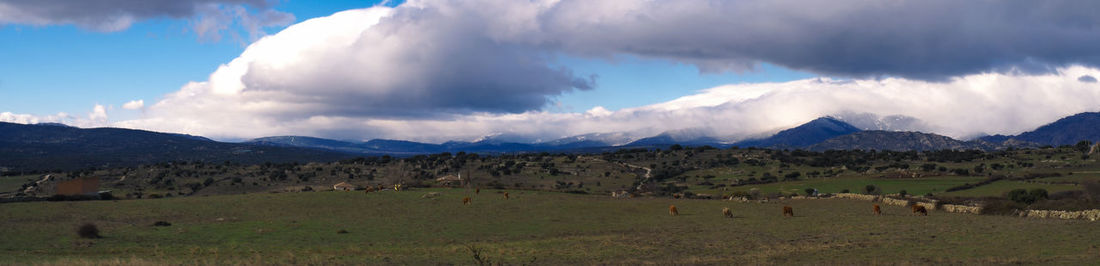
{"type": "Point", "coordinates": [529, 228]}
{"type": "Point", "coordinates": [914, 186]}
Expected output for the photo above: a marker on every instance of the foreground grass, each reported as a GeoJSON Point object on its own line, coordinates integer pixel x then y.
{"type": "Point", "coordinates": [529, 228]}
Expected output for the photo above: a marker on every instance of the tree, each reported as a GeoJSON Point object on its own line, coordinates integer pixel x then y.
{"type": "Point", "coordinates": [1083, 146]}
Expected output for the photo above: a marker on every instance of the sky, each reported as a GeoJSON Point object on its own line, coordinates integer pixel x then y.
{"type": "Point", "coordinates": [539, 70]}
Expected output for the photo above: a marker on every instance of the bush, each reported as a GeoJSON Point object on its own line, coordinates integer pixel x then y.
{"type": "Point", "coordinates": [903, 193]}
{"type": "Point", "coordinates": [162, 223]}
{"type": "Point", "coordinates": [88, 230]}
{"type": "Point", "coordinates": [1027, 197]}
{"type": "Point", "coordinates": [870, 189]}
{"type": "Point", "coordinates": [1038, 194]}
{"type": "Point", "coordinates": [845, 191]}
{"type": "Point", "coordinates": [810, 191]}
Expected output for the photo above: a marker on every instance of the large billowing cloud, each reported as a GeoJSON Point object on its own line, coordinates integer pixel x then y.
{"type": "Point", "coordinates": [931, 40]}
{"type": "Point", "coordinates": [211, 16]}
{"type": "Point", "coordinates": [964, 107]}
{"type": "Point", "coordinates": [436, 70]}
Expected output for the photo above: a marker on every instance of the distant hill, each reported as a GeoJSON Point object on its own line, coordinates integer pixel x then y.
{"type": "Point", "coordinates": [895, 141]}
{"type": "Point", "coordinates": [1066, 131]}
{"type": "Point", "coordinates": [53, 147]}
{"type": "Point", "coordinates": [802, 136]}
{"type": "Point", "coordinates": [667, 140]}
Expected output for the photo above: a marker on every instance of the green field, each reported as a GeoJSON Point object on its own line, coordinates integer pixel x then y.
{"type": "Point", "coordinates": [916, 186]}
{"type": "Point", "coordinates": [999, 188]}
{"type": "Point", "coordinates": [13, 183]}
{"type": "Point", "coordinates": [530, 228]}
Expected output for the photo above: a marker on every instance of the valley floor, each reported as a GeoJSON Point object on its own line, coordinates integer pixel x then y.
{"type": "Point", "coordinates": [529, 228]}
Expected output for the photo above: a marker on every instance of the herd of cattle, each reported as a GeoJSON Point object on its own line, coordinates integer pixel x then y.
{"type": "Point", "coordinates": [788, 211]}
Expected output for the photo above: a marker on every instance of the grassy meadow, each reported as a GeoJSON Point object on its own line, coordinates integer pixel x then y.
{"type": "Point", "coordinates": [530, 228]}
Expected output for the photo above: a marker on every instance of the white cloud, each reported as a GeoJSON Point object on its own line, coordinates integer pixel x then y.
{"type": "Point", "coordinates": [963, 107]}
{"type": "Point", "coordinates": [98, 114]}
{"type": "Point", "coordinates": [134, 105]}
{"type": "Point", "coordinates": [436, 70]}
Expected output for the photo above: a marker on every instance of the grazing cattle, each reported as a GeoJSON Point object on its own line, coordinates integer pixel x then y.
{"type": "Point", "coordinates": [505, 195]}
{"type": "Point", "coordinates": [878, 210]}
{"type": "Point", "coordinates": [788, 211]}
{"type": "Point", "coordinates": [672, 210]}
{"type": "Point", "coordinates": [726, 211]}
{"type": "Point", "coordinates": [918, 209]}
{"type": "Point", "coordinates": [466, 201]}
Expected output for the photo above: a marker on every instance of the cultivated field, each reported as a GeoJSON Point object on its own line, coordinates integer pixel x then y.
{"type": "Point", "coordinates": [530, 228]}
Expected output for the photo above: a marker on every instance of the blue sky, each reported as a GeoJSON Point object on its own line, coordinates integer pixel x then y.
{"type": "Point", "coordinates": [63, 68]}
{"type": "Point", "coordinates": [436, 70]}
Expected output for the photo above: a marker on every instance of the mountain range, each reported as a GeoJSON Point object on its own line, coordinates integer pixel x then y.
{"type": "Point", "coordinates": [55, 146]}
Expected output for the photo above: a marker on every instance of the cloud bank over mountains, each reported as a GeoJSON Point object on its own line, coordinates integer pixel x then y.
{"type": "Point", "coordinates": [438, 70]}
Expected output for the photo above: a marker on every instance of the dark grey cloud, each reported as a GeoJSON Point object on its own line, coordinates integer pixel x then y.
{"type": "Point", "coordinates": [923, 39]}
{"type": "Point", "coordinates": [115, 15]}
{"type": "Point", "coordinates": [1087, 79]}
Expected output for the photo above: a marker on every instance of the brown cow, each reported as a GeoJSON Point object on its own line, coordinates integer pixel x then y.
{"type": "Point", "coordinates": [477, 191]}
{"type": "Point", "coordinates": [672, 210]}
{"type": "Point", "coordinates": [726, 211]}
{"type": "Point", "coordinates": [788, 211]}
{"type": "Point", "coordinates": [505, 195]}
{"type": "Point", "coordinates": [918, 209]}
{"type": "Point", "coordinates": [466, 201]}
{"type": "Point", "coordinates": [878, 210]}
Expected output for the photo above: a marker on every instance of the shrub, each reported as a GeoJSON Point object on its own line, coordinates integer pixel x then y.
{"type": "Point", "coordinates": [845, 190]}
{"type": "Point", "coordinates": [1019, 196]}
{"type": "Point", "coordinates": [903, 193]}
{"type": "Point", "coordinates": [870, 189]}
{"type": "Point", "coordinates": [162, 223]}
{"type": "Point", "coordinates": [1038, 193]}
{"type": "Point", "coordinates": [810, 191]}
{"type": "Point", "coordinates": [88, 230]}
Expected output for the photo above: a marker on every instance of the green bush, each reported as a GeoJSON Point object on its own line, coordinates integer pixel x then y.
{"type": "Point", "coordinates": [1027, 197]}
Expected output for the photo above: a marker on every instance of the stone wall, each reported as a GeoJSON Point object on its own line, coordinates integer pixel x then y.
{"type": "Point", "coordinates": [961, 209]}
{"type": "Point", "coordinates": [1091, 215]}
